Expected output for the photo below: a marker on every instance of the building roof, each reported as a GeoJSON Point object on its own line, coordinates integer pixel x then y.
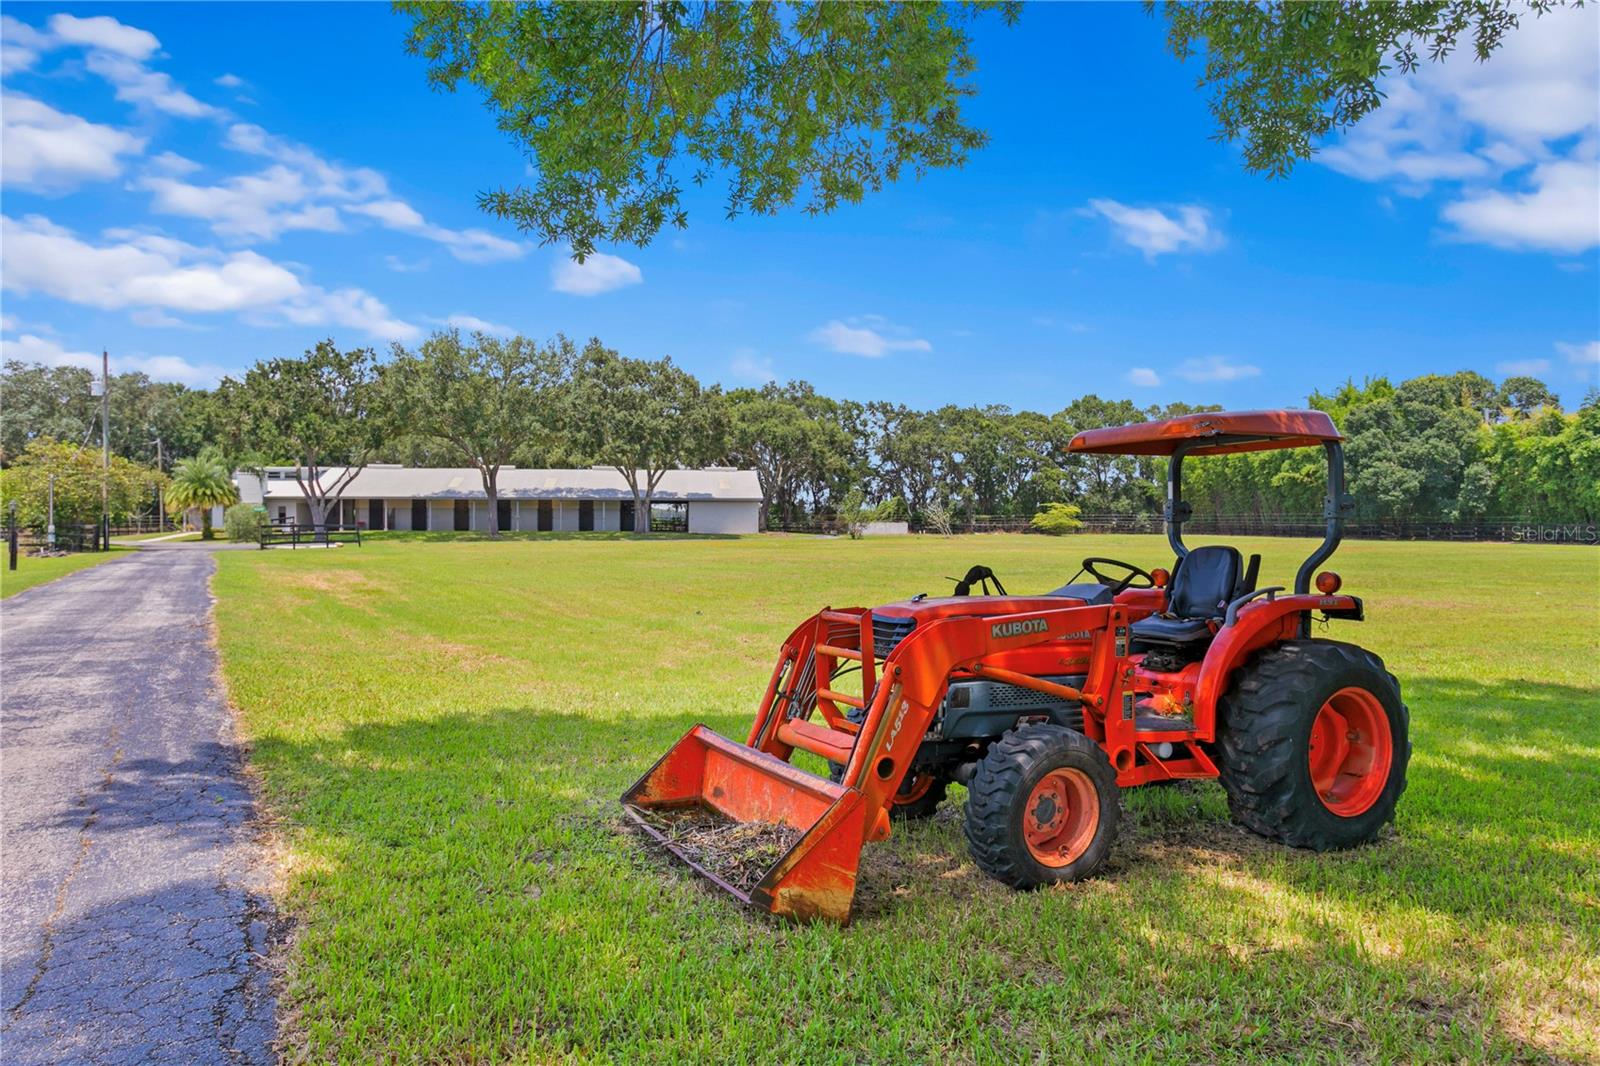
{"type": "Point", "coordinates": [514, 483]}
{"type": "Point", "coordinates": [1229, 431]}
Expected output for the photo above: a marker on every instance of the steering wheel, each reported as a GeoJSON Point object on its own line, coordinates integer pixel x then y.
{"type": "Point", "coordinates": [1117, 585]}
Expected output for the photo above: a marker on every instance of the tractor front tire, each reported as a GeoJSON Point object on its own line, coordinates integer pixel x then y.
{"type": "Point", "coordinates": [919, 796]}
{"type": "Point", "coordinates": [1313, 742]}
{"type": "Point", "coordinates": [1042, 807]}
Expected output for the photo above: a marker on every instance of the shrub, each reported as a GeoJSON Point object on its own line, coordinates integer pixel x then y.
{"type": "Point", "coordinates": [1056, 519]}
{"type": "Point", "coordinates": [244, 522]}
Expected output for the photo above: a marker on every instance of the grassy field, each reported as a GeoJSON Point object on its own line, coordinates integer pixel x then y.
{"type": "Point", "coordinates": [443, 728]}
{"type": "Point", "coordinates": [32, 571]}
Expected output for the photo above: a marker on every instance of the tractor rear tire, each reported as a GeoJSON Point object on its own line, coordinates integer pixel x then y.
{"type": "Point", "coordinates": [1042, 807]}
{"type": "Point", "coordinates": [1313, 742]}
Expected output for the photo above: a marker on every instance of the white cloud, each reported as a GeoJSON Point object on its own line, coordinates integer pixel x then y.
{"type": "Point", "coordinates": [136, 83]}
{"type": "Point", "coordinates": [1560, 213]}
{"type": "Point", "coordinates": [1580, 353]}
{"type": "Point", "coordinates": [42, 148]}
{"type": "Point", "coordinates": [474, 324]}
{"type": "Point", "coordinates": [405, 266]}
{"type": "Point", "coordinates": [1143, 377]}
{"type": "Point", "coordinates": [106, 34]}
{"type": "Point", "coordinates": [31, 348]}
{"type": "Point", "coordinates": [748, 365]}
{"type": "Point", "coordinates": [20, 45]}
{"type": "Point", "coordinates": [1513, 140]}
{"type": "Point", "coordinates": [329, 180]}
{"type": "Point", "coordinates": [1155, 232]}
{"type": "Point", "coordinates": [468, 245]}
{"type": "Point", "coordinates": [229, 81]}
{"type": "Point", "coordinates": [1514, 367]}
{"type": "Point", "coordinates": [1215, 368]}
{"type": "Point", "coordinates": [152, 272]}
{"type": "Point", "coordinates": [858, 336]}
{"type": "Point", "coordinates": [252, 205]}
{"type": "Point", "coordinates": [597, 274]}
{"type": "Point", "coordinates": [173, 163]}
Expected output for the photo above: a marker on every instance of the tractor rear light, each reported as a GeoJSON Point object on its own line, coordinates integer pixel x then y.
{"type": "Point", "coordinates": [1159, 578]}
{"type": "Point", "coordinates": [1328, 582]}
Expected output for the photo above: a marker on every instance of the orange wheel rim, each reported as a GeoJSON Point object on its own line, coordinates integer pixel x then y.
{"type": "Point", "coordinates": [1350, 752]}
{"type": "Point", "coordinates": [913, 789]}
{"type": "Point", "coordinates": [1060, 817]}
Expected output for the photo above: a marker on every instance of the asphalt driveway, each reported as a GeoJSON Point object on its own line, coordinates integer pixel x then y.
{"type": "Point", "coordinates": [134, 921]}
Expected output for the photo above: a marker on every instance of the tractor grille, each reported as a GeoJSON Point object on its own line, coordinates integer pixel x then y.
{"type": "Point", "coordinates": [888, 632]}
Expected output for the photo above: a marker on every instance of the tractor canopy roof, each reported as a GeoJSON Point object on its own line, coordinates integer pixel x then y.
{"type": "Point", "coordinates": [1228, 431]}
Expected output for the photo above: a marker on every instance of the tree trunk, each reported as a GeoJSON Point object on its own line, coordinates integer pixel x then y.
{"type": "Point", "coordinates": [641, 512]}
{"type": "Point", "coordinates": [206, 532]}
{"type": "Point", "coordinates": [489, 490]}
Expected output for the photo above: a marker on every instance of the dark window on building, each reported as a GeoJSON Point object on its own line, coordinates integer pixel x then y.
{"type": "Point", "coordinates": [374, 514]}
{"type": "Point", "coordinates": [585, 514]}
{"type": "Point", "coordinates": [625, 520]}
{"type": "Point", "coordinates": [463, 516]}
{"type": "Point", "coordinates": [502, 514]}
{"type": "Point", "coordinates": [547, 516]}
{"type": "Point", "coordinates": [419, 514]}
{"type": "Point", "coordinates": [669, 518]}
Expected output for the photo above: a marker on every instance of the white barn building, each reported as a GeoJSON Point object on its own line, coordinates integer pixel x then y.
{"type": "Point", "coordinates": [390, 496]}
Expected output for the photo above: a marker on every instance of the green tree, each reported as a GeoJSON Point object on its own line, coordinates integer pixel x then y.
{"type": "Point", "coordinates": [619, 105]}
{"type": "Point", "coordinates": [1282, 75]}
{"type": "Point", "coordinates": [322, 411]}
{"type": "Point", "coordinates": [483, 400]}
{"type": "Point", "coordinates": [245, 522]}
{"type": "Point", "coordinates": [201, 482]}
{"type": "Point", "coordinates": [642, 418]}
{"type": "Point", "coordinates": [131, 487]}
{"type": "Point", "coordinates": [1056, 519]}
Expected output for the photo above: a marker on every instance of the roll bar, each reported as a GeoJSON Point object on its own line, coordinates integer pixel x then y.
{"type": "Point", "coordinates": [1336, 506]}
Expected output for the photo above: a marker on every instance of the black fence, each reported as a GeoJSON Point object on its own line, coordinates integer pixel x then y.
{"type": "Point", "coordinates": [296, 535]}
{"type": "Point", "coordinates": [69, 538]}
{"type": "Point", "coordinates": [1517, 530]}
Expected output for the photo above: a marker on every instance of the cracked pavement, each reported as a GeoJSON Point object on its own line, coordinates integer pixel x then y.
{"type": "Point", "coordinates": [135, 918]}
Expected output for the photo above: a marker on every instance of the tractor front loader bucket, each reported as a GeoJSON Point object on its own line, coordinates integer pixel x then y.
{"type": "Point", "coordinates": [708, 774]}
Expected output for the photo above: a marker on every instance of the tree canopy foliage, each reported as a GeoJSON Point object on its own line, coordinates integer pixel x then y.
{"type": "Point", "coordinates": [485, 399]}
{"type": "Point", "coordinates": [619, 105]}
{"type": "Point", "coordinates": [642, 418]}
{"type": "Point", "coordinates": [132, 487]}
{"type": "Point", "coordinates": [1455, 447]}
{"type": "Point", "coordinates": [1282, 75]}
{"type": "Point", "coordinates": [321, 412]}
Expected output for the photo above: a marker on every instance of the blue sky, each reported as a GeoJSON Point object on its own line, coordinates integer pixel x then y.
{"type": "Point", "coordinates": [197, 187]}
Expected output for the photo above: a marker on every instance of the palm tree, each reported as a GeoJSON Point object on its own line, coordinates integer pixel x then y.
{"type": "Point", "coordinates": [202, 482]}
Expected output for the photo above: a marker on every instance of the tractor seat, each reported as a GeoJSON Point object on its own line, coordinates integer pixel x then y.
{"type": "Point", "coordinates": [1204, 581]}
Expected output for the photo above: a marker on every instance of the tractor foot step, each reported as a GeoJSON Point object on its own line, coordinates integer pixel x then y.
{"type": "Point", "coordinates": [831, 744]}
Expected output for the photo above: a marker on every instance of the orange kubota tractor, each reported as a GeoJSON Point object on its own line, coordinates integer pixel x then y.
{"type": "Point", "coordinates": [1046, 706]}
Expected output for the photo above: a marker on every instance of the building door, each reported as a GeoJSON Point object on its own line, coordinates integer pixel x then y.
{"type": "Point", "coordinates": [374, 514]}
{"type": "Point", "coordinates": [419, 514]}
{"type": "Point", "coordinates": [547, 516]}
{"type": "Point", "coordinates": [585, 514]}
{"type": "Point", "coordinates": [502, 514]}
{"type": "Point", "coordinates": [625, 520]}
{"type": "Point", "coordinates": [463, 516]}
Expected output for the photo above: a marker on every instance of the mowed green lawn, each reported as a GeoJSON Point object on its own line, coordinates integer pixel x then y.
{"type": "Point", "coordinates": [443, 728]}
{"type": "Point", "coordinates": [33, 571]}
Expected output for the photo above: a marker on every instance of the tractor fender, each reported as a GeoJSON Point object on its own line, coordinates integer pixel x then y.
{"type": "Point", "coordinates": [1258, 624]}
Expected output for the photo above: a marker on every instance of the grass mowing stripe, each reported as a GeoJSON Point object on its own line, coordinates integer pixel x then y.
{"type": "Point", "coordinates": [444, 726]}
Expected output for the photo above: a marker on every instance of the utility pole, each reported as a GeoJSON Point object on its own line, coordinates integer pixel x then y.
{"type": "Point", "coordinates": [105, 449]}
